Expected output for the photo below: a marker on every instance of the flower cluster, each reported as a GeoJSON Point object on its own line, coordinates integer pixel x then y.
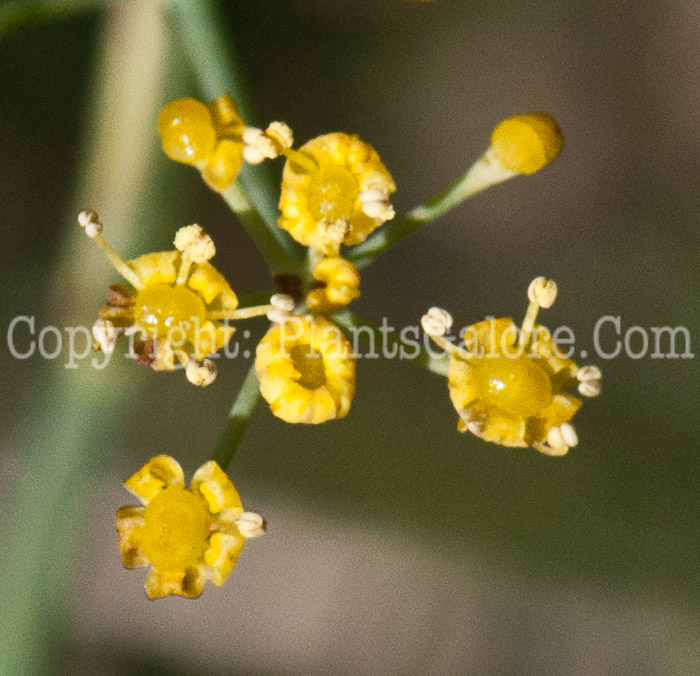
{"type": "Point", "coordinates": [509, 386]}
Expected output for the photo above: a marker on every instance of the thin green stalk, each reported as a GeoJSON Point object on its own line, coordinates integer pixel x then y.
{"type": "Point", "coordinates": [73, 411]}
{"type": "Point", "coordinates": [391, 343]}
{"type": "Point", "coordinates": [209, 48]}
{"type": "Point", "coordinates": [243, 408]}
{"type": "Point", "coordinates": [276, 255]}
{"type": "Point", "coordinates": [481, 175]}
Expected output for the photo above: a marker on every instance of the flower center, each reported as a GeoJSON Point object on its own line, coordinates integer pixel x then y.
{"type": "Point", "coordinates": [170, 312]}
{"type": "Point", "coordinates": [520, 387]}
{"type": "Point", "coordinates": [176, 529]}
{"type": "Point", "coordinates": [332, 193]}
{"type": "Point", "coordinates": [309, 363]}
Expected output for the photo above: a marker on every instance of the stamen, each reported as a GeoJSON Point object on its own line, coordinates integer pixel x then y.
{"type": "Point", "coordinates": [569, 434]}
{"type": "Point", "coordinates": [194, 243]}
{"type": "Point", "coordinates": [283, 306]}
{"type": "Point", "coordinates": [559, 441]}
{"type": "Point", "coordinates": [90, 221]}
{"type": "Point", "coordinates": [590, 381]}
{"type": "Point", "coordinates": [280, 135]}
{"type": "Point", "coordinates": [250, 525]}
{"type": "Point", "coordinates": [201, 374]}
{"type": "Point", "coordinates": [243, 313]}
{"type": "Point", "coordinates": [436, 323]}
{"type": "Point", "coordinates": [375, 204]}
{"type": "Point", "coordinates": [542, 292]}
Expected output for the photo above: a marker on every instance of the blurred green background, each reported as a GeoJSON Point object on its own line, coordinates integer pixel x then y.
{"type": "Point", "coordinates": [396, 545]}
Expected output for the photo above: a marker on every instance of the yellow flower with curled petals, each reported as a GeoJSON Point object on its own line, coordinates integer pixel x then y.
{"type": "Point", "coordinates": [337, 285]}
{"type": "Point", "coordinates": [187, 536]}
{"type": "Point", "coordinates": [214, 139]}
{"type": "Point", "coordinates": [511, 386]}
{"type": "Point", "coordinates": [306, 369]}
{"type": "Point", "coordinates": [209, 137]}
{"type": "Point", "coordinates": [177, 305]}
{"type": "Point", "coordinates": [335, 190]}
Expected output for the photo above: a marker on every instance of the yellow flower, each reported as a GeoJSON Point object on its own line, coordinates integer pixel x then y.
{"type": "Point", "coordinates": [177, 305]}
{"type": "Point", "coordinates": [214, 139]}
{"type": "Point", "coordinates": [209, 137]}
{"type": "Point", "coordinates": [526, 143]}
{"type": "Point", "coordinates": [306, 370]}
{"type": "Point", "coordinates": [186, 535]}
{"type": "Point", "coordinates": [338, 285]}
{"type": "Point", "coordinates": [509, 386]}
{"type": "Point", "coordinates": [335, 190]}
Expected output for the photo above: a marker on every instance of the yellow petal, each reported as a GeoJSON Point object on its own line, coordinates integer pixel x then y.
{"type": "Point", "coordinates": [189, 582]}
{"type": "Point", "coordinates": [158, 473]}
{"type": "Point", "coordinates": [156, 268]}
{"type": "Point", "coordinates": [211, 482]}
{"type": "Point", "coordinates": [209, 283]}
{"type": "Point", "coordinates": [222, 554]}
{"type": "Point", "coordinates": [129, 522]}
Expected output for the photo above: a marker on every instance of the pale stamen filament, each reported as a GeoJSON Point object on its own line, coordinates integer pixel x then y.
{"type": "Point", "coordinates": [542, 293]}
{"type": "Point", "coordinates": [303, 160]}
{"type": "Point", "coordinates": [184, 271]}
{"type": "Point", "coordinates": [243, 313]}
{"type": "Point", "coordinates": [90, 221]}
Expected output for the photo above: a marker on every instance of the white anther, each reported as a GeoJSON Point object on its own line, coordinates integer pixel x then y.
{"type": "Point", "coordinates": [258, 147]}
{"type": "Point", "coordinates": [436, 322]}
{"type": "Point", "coordinates": [250, 525]}
{"type": "Point", "coordinates": [586, 373]}
{"type": "Point", "coordinates": [590, 381]}
{"type": "Point", "coordinates": [201, 373]}
{"type": "Point", "coordinates": [87, 216]}
{"type": "Point", "coordinates": [278, 316]}
{"type": "Point", "coordinates": [375, 204]}
{"type": "Point", "coordinates": [569, 435]}
{"type": "Point", "coordinates": [283, 302]}
{"type": "Point", "coordinates": [90, 220]}
{"type": "Point", "coordinates": [590, 388]}
{"type": "Point", "coordinates": [281, 135]}
{"type": "Point", "coordinates": [105, 335]}
{"type": "Point", "coordinates": [194, 242]}
{"type": "Point", "coordinates": [555, 438]}
{"type": "Point", "coordinates": [542, 291]}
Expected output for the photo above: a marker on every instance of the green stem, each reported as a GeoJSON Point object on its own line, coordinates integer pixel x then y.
{"type": "Point", "coordinates": [481, 175]}
{"type": "Point", "coordinates": [74, 411]}
{"type": "Point", "coordinates": [208, 45]}
{"type": "Point", "coordinates": [243, 407]}
{"type": "Point", "coordinates": [391, 343]}
{"type": "Point", "coordinates": [275, 253]}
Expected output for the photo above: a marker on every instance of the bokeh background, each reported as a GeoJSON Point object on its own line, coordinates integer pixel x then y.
{"type": "Point", "coordinates": [396, 545]}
